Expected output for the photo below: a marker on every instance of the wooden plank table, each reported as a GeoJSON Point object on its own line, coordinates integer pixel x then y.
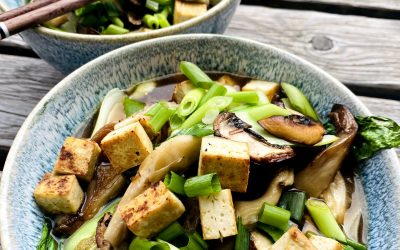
{"type": "Point", "coordinates": [357, 41]}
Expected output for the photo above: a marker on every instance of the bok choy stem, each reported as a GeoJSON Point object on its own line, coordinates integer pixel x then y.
{"type": "Point", "coordinates": [88, 229]}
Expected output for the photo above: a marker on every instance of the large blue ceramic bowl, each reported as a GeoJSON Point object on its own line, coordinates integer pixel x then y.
{"type": "Point", "coordinates": [68, 51]}
{"type": "Point", "coordinates": [74, 101]}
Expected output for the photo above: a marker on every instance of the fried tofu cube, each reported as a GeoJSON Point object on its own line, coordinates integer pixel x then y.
{"type": "Point", "coordinates": [217, 215]}
{"type": "Point", "coordinates": [181, 89]}
{"type": "Point", "coordinates": [258, 241]}
{"type": "Point", "coordinates": [227, 80]}
{"type": "Point", "coordinates": [127, 146]}
{"type": "Point", "coordinates": [293, 239]}
{"type": "Point", "coordinates": [229, 159]}
{"type": "Point", "coordinates": [59, 194]}
{"type": "Point", "coordinates": [324, 243]}
{"type": "Point", "coordinates": [77, 157]}
{"type": "Point", "coordinates": [268, 88]}
{"type": "Point", "coordinates": [143, 120]}
{"type": "Point", "coordinates": [187, 10]}
{"type": "Point", "coordinates": [152, 211]}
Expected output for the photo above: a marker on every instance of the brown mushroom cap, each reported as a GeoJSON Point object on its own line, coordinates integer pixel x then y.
{"type": "Point", "coordinates": [229, 126]}
{"type": "Point", "coordinates": [294, 128]}
{"type": "Point", "coordinates": [317, 176]}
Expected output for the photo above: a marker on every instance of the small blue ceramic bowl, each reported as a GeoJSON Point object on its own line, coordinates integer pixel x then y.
{"type": "Point", "coordinates": [68, 51]}
{"type": "Point", "coordinates": [72, 103]}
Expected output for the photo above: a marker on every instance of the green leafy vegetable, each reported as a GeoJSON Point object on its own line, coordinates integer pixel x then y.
{"type": "Point", "coordinates": [329, 128]}
{"type": "Point", "coordinates": [375, 133]}
{"type": "Point", "coordinates": [47, 242]}
{"type": "Point", "coordinates": [131, 106]}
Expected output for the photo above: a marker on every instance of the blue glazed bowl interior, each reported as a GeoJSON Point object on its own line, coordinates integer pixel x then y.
{"type": "Point", "coordinates": [72, 103]}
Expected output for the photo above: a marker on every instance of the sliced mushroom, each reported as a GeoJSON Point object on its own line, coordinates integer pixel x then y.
{"type": "Point", "coordinates": [229, 126]}
{"type": "Point", "coordinates": [317, 176]}
{"type": "Point", "coordinates": [105, 186]}
{"type": "Point", "coordinates": [294, 128]}
{"type": "Point", "coordinates": [248, 210]}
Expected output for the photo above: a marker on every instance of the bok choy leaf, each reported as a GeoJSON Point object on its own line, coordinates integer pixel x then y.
{"type": "Point", "coordinates": [375, 133]}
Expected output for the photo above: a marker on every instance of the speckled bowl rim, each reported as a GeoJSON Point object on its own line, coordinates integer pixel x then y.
{"type": "Point", "coordinates": [62, 85]}
{"type": "Point", "coordinates": [132, 36]}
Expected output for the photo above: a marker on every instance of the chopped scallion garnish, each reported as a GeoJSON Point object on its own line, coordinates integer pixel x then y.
{"type": "Point", "coordinates": [324, 219]}
{"type": "Point", "coordinates": [202, 185]}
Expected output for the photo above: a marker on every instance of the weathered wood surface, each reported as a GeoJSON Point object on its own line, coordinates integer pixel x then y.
{"type": "Point", "coordinates": [369, 4]}
{"type": "Point", "coordinates": [362, 52]}
{"type": "Point", "coordinates": [23, 82]}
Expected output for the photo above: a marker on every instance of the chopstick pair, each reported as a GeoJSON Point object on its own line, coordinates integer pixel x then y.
{"type": "Point", "coordinates": [17, 20]}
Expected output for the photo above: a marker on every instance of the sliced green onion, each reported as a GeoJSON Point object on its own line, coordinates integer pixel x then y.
{"type": "Point", "coordinates": [215, 90]}
{"type": "Point", "coordinates": [217, 102]}
{"type": "Point", "coordinates": [152, 5]}
{"type": "Point", "coordinates": [324, 219]}
{"type": "Point", "coordinates": [356, 245]}
{"type": "Point", "coordinates": [141, 90]}
{"type": "Point", "coordinates": [111, 8]}
{"type": "Point", "coordinates": [113, 29]}
{"type": "Point", "coordinates": [155, 108]}
{"type": "Point", "coordinates": [294, 201]}
{"type": "Point", "coordinates": [131, 106]}
{"type": "Point", "coordinates": [262, 98]}
{"type": "Point", "coordinates": [267, 110]}
{"type": "Point", "coordinates": [237, 107]}
{"type": "Point", "coordinates": [151, 21]}
{"type": "Point", "coordinates": [160, 118]}
{"type": "Point", "coordinates": [143, 244]}
{"type": "Point", "coordinates": [242, 240]}
{"type": "Point", "coordinates": [188, 242]}
{"type": "Point", "coordinates": [200, 240]}
{"type": "Point", "coordinates": [171, 232]}
{"type": "Point", "coordinates": [190, 102]}
{"type": "Point", "coordinates": [245, 97]}
{"type": "Point", "coordinates": [176, 121]}
{"type": "Point", "coordinates": [210, 116]}
{"type": "Point", "coordinates": [198, 130]}
{"type": "Point", "coordinates": [299, 101]}
{"type": "Point", "coordinates": [175, 182]}
{"type": "Point", "coordinates": [87, 9]}
{"type": "Point", "coordinates": [88, 229]}
{"type": "Point", "coordinates": [202, 185]}
{"type": "Point", "coordinates": [117, 21]}
{"type": "Point", "coordinates": [194, 73]}
{"type": "Point", "coordinates": [273, 232]}
{"type": "Point", "coordinates": [347, 247]}
{"type": "Point", "coordinates": [88, 20]}
{"type": "Point", "coordinates": [163, 2]}
{"type": "Point", "coordinates": [274, 216]}
{"type": "Point", "coordinates": [162, 20]}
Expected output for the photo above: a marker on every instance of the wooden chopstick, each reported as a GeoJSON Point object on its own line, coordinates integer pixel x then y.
{"type": "Point", "coordinates": [25, 9]}
{"type": "Point", "coordinates": [39, 15]}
